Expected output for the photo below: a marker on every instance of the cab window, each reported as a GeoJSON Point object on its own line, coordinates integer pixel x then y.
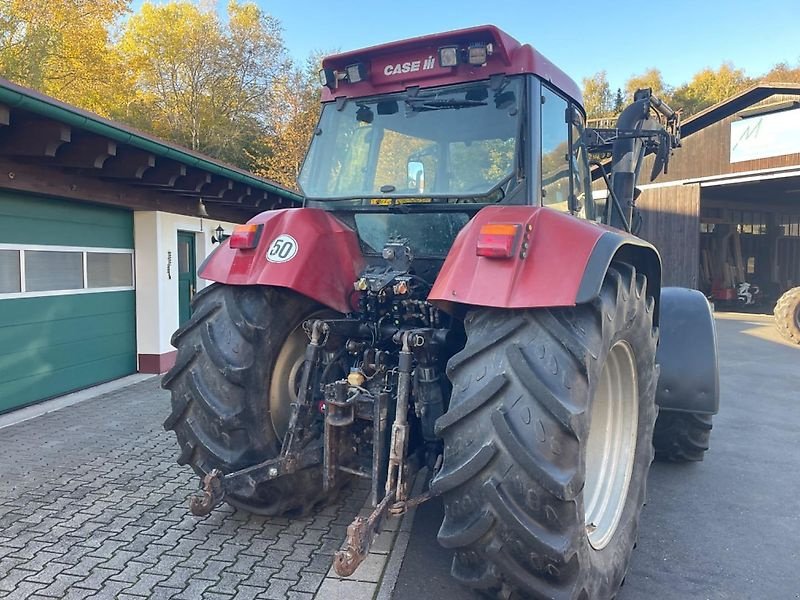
{"type": "Point", "coordinates": [555, 151]}
{"type": "Point", "coordinates": [580, 171]}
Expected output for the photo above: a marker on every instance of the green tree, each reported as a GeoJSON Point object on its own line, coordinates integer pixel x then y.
{"type": "Point", "coordinates": [597, 96]}
{"type": "Point", "coordinates": [202, 82]}
{"type": "Point", "coordinates": [63, 48]}
{"type": "Point", "coordinates": [295, 97]}
{"type": "Point", "coordinates": [783, 72]}
{"type": "Point", "coordinates": [709, 86]}
{"type": "Point", "coordinates": [651, 78]}
{"type": "Point", "coordinates": [619, 102]}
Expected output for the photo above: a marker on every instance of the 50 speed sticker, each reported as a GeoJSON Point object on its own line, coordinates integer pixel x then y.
{"type": "Point", "coordinates": [282, 249]}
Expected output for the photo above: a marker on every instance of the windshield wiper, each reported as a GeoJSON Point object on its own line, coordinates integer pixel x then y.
{"type": "Point", "coordinates": [441, 103]}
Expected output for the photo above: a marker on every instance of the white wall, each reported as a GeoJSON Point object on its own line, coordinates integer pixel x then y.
{"type": "Point", "coordinates": [156, 244]}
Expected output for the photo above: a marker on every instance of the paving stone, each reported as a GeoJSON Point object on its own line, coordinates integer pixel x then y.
{"type": "Point", "coordinates": [97, 578]}
{"type": "Point", "coordinates": [291, 569]}
{"type": "Point", "coordinates": [131, 572]}
{"type": "Point", "coordinates": [370, 570]}
{"type": "Point", "coordinates": [195, 589]}
{"type": "Point", "coordinates": [109, 589]}
{"type": "Point", "coordinates": [246, 592]}
{"type": "Point", "coordinates": [309, 582]}
{"type": "Point", "coordinates": [24, 590]}
{"type": "Point", "coordinates": [342, 589]}
{"type": "Point", "coordinates": [145, 584]}
{"type": "Point", "coordinates": [60, 585]}
{"type": "Point", "coordinates": [180, 577]}
{"type": "Point", "coordinates": [277, 589]}
{"type": "Point", "coordinates": [12, 578]}
{"type": "Point", "coordinates": [226, 584]}
{"type": "Point", "coordinates": [46, 574]}
{"type": "Point", "coordinates": [212, 569]}
{"type": "Point", "coordinates": [84, 566]}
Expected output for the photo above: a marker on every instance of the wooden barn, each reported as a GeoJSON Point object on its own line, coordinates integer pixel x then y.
{"type": "Point", "coordinates": [728, 210]}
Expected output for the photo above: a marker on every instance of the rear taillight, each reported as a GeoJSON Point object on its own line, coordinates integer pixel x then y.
{"type": "Point", "coordinates": [498, 240]}
{"type": "Point", "coordinates": [245, 237]}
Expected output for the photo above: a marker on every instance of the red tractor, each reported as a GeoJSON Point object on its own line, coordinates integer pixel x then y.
{"type": "Point", "coordinates": [451, 297]}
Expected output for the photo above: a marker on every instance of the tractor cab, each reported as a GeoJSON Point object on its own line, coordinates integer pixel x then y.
{"type": "Point", "coordinates": [417, 137]}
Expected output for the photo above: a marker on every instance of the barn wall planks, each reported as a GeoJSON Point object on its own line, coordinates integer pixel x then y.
{"type": "Point", "coordinates": [671, 222]}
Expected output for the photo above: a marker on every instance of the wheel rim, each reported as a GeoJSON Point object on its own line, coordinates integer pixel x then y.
{"type": "Point", "coordinates": [611, 445]}
{"type": "Point", "coordinates": [285, 382]}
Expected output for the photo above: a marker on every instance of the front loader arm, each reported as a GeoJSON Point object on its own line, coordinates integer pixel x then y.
{"type": "Point", "coordinates": [647, 125]}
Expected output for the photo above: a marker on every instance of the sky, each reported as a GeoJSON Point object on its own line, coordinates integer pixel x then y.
{"type": "Point", "coordinates": [679, 37]}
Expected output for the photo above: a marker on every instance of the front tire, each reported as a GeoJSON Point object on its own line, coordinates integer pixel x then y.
{"type": "Point", "coordinates": [539, 503]}
{"type": "Point", "coordinates": [682, 436]}
{"type": "Point", "coordinates": [239, 357]}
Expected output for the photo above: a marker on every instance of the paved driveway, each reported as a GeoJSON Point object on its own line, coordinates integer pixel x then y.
{"type": "Point", "coordinates": [92, 504]}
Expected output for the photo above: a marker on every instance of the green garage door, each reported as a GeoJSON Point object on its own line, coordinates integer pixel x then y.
{"type": "Point", "coordinates": [67, 304]}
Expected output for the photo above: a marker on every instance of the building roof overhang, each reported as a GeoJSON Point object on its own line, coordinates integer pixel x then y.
{"type": "Point", "coordinates": [89, 157]}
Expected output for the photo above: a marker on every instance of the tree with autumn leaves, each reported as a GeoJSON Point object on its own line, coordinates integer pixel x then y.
{"type": "Point", "coordinates": [226, 86]}
{"type": "Point", "coordinates": [706, 88]}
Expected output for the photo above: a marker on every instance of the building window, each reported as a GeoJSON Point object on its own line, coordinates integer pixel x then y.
{"type": "Point", "coordinates": [9, 272]}
{"type": "Point", "coordinates": [106, 269]}
{"type": "Point", "coordinates": [47, 271]}
{"type": "Point", "coordinates": [27, 271]}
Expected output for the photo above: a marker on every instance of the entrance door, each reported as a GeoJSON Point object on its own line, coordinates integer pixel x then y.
{"type": "Point", "coordinates": [187, 278]}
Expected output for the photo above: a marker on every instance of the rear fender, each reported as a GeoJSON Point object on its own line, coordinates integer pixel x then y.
{"type": "Point", "coordinates": [322, 264]}
{"type": "Point", "coordinates": [560, 260]}
{"type": "Point", "coordinates": [687, 353]}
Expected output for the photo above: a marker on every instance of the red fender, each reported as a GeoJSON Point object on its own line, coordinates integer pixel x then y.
{"type": "Point", "coordinates": [564, 263]}
{"type": "Point", "coordinates": [324, 263]}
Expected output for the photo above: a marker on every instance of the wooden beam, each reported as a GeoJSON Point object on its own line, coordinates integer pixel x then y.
{"type": "Point", "coordinates": [73, 185]}
{"type": "Point", "coordinates": [5, 114]}
{"type": "Point", "coordinates": [129, 163]}
{"type": "Point", "coordinates": [86, 152]}
{"type": "Point", "coordinates": [164, 174]}
{"type": "Point", "coordinates": [213, 190]}
{"type": "Point", "coordinates": [32, 136]}
{"type": "Point", "coordinates": [193, 181]}
{"type": "Point", "coordinates": [239, 195]}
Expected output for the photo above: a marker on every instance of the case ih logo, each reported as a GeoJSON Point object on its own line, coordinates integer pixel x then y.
{"type": "Point", "coordinates": [409, 67]}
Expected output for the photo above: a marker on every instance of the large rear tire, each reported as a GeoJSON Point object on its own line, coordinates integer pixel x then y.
{"type": "Point", "coordinates": [548, 441]}
{"type": "Point", "coordinates": [787, 315]}
{"type": "Point", "coordinates": [239, 360]}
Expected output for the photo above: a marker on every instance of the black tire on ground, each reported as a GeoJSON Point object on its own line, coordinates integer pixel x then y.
{"type": "Point", "coordinates": [222, 413]}
{"type": "Point", "coordinates": [787, 315]}
{"type": "Point", "coordinates": [516, 436]}
{"type": "Point", "coordinates": [681, 436]}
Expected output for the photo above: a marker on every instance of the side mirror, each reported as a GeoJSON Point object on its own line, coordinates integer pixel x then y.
{"type": "Point", "coordinates": [416, 176]}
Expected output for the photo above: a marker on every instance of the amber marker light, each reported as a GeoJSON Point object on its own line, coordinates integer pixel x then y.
{"type": "Point", "coordinates": [498, 240]}
{"type": "Point", "coordinates": [246, 237]}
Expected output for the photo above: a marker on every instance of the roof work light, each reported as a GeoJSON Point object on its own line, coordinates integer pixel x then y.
{"type": "Point", "coordinates": [327, 77]}
{"type": "Point", "coordinates": [448, 56]}
{"type": "Point", "coordinates": [478, 53]}
{"type": "Point", "coordinates": [356, 72]}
